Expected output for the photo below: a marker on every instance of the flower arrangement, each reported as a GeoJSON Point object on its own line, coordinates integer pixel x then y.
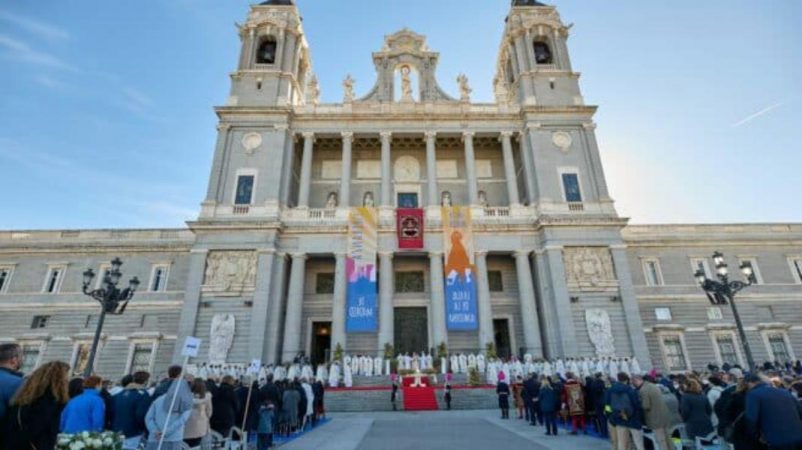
{"type": "Point", "coordinates": [106, 440]}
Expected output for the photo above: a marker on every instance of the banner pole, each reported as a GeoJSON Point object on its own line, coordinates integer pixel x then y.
{"type": "Point", "coordinates": [172, 402]}
{"type": "Point", "coordinates": [244, 436]}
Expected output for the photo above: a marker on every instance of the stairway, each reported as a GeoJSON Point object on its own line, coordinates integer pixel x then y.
{"type": "Point", "coordinates": [419, 399]}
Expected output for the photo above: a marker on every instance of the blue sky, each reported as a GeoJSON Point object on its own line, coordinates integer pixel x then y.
{"type": "Point", "coordinates": [106, 109]}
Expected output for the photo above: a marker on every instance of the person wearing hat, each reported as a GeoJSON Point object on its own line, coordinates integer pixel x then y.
{"type": "Point", "coordinates": [503, 391]}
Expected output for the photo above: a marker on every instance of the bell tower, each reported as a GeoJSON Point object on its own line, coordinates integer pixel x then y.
{"type": "Point", "coordinates": [275, 66]}
{"type": "Point", "coordinates": [533, 66]}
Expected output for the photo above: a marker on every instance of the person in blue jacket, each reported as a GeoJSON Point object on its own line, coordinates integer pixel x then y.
{"type": "Point", "coordinates": [549, 400]}
{"type": "Point", "coordinates": [624, 413]}
{"type": "Point", "coordinates": [774, 414]}
{"type": "Point", "coordinates": [130, 407]}
{"type": "Point", "coordinates": [10, 377]}
{"type": "Point", "coordinates": [86, 412]}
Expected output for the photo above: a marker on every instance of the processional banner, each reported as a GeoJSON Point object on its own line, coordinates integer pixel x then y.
{"type": "Point", "coordinates": [360, 270]}
{"type": "Point", "coordinates": [409, 227]}
{"type": "Point", "coordinates": [460, 272]}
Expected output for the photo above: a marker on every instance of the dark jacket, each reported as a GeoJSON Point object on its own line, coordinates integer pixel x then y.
{"type": "Point", "coordinates": [730, 409]}
{"type": "Point", "coordinates": [549, 399]}
{"type": "Point", "coordinates": [596, 390]}
{"type": "Point", "coordinates": [318, 389]}
{"type": "Point", "coordinates": [252, 420]}
{"type": "Point", "coordinates": [503, 391]}
{"type": "Point", "coordinates": [10, 381]}
{"type": "Point", "coordinates": [162, 388]}
{"type": "Point", "coordinates": [224, 409]}
{"type": "Point", "coordinates": [695, 410]}
{"type": "Point", "coordinates": [130, 407]}
{"type": "Point", "coordinates": [635, 418]}
{"type": "Point", "coordinates": [35, 425]}
{"type": "Point", "coordinates": [86, 412]}
{"type": "Point", "coordinates": [269, 392]}
{"type": "Point", "coordinates": [531, 391]}
{"type": "Point", "coordinates": [775, 414]}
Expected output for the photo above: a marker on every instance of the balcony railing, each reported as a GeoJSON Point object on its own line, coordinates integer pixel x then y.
{"type": "Point", "coordinates": [576, 206]}
{"type": "Point", "coordinates": [497, 211]}
{"type": "Point", "coordinates": [241, 209]}
{"type": "Point", "coordinates": [322, 213]}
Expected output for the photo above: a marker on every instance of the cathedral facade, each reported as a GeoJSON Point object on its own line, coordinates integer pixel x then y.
{"type": "Point", "coordinates": [265, 271]}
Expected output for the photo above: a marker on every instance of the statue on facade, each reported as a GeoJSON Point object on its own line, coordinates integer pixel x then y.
{"type": "Point", "coordinates": [331, 201]}
{"type": "Point", "coordinates": [348, 88]}
{"type": "Point", "coordinates": [600, 331]}
{"type": "Point", "coordinates": [464, 89]}
{"type": "Point", "coordinates": [221, 336]}
{"type": "Point", "coordinates": [500, 90]}
{"type": "Point", "coordinates": [406, 85]}
{"type": "Point", "coordinates": [445, 199]}
{"type": "Point", "coordinates": [367, 200]}
{"type": "Point", "coordinates": [482, 199]}
{"type": "Point", "coordinates": [313, 91]}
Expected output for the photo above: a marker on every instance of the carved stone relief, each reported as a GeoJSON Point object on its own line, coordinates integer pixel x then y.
{"type": "Point", "coordinates": [589, 268]}
{"type": "Point", "coordinates": [562, 140]}
{"type": "Point", "coordinates": [221, 336]}
{"type": "Point", "coordinates": [251, 142]}
{"type": "Point", "coordinates": [600, 331]}
{"type": "Point", "coordinates": [230, 270]}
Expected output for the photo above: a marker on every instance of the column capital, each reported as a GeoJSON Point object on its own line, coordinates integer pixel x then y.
{"type": "Point", "coordinates": [347, 135]}
{"type": "Point", "coordinates": [281, 127]}
{"type": "Point", "coordinates": [480, 253]}
{"type": "Point", "coordinates": [435, 254]}
{"type": "Point", "coordinates": [505, 135]}
{"type": "Point", "coordinates": [467, 134]}
{"type": "Point", "coordinates": [266, 251]}
{"type": "Point", "coordinates": [533, 126]}
{"type": "Point", "coordinates": [223, 126]}
{"type": "Point", "coordinates": [308, 135]}
{"type": "Point", "coordinates": [299, 256]}
{"type": "Point", "coordinates": [386, 135]}
{"type": "Point", "coordinates": [589, 126]}
{"type": "Point", "coordinates": [522, 253]}
{"type": "Point", "coordinates": [430, 135]}
{"type": "Point", "coordinates": [386, 254]}
{"type": "Point", "coordinates": [340, 254]}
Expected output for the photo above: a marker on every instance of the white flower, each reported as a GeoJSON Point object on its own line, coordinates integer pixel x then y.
{"type": "Point", "coordinates": [77, 445]}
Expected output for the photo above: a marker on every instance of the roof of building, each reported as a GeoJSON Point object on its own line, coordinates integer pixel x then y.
{"type": "Point", "coordinates": [278, 2]}
{"type": "Point", "coordinates": [527, 3]}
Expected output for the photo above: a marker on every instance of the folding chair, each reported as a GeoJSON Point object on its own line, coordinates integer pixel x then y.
{"type": "Point", "coordinates": [709, 442]}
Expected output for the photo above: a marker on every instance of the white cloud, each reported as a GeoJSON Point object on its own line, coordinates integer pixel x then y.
{"type": "Point", "coordinates": [754, 116]}
{"type": "Point", "coordinates": [36, 27]}
{"type": "Point", "coordinates": [136, 96]}
{"type": "Point", "coordinates": [50, 82]}
{"type": "Point", "coordinates": [21, 51]}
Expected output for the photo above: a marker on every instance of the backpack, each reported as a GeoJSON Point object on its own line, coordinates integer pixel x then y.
{"type": "Point", "coordinates": [621, 404]}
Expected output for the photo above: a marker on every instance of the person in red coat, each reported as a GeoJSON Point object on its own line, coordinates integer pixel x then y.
{"type": "Point", "coordinates": [573, 398]}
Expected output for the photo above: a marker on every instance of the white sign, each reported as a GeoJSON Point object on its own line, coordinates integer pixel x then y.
{"type": "Point", "coordinates": [191, 347]}
{"type": "Point", "coordinates": [256, 364]}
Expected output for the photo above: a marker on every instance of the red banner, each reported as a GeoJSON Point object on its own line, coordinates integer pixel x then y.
{"type": "Point", "coordinates": [409, 224]}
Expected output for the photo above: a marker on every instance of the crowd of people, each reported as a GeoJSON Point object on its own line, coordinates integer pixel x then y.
{"type": "Point", "coordinates": [723, 407]}
{"type": "Point", "coordinates": [182, 408]}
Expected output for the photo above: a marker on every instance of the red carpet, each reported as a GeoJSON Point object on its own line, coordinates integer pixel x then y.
{"type": "Point", "coordinates": [418, 398]}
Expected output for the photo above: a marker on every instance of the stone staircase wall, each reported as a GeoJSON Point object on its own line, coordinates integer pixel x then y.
{"type": "Point", "coordinates": [379, 399]}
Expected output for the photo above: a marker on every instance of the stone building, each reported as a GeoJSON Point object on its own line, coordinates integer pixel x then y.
{"type": "Point", "coordinates": [266, 257]}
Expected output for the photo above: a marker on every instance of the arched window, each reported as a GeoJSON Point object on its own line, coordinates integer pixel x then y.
{"type": "Point", "coordinates": [266, 54]}
{"type": "Point", "coordinates": [543, 53]}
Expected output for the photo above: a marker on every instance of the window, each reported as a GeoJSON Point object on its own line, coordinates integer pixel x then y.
{"type": "Point", "coordinates": [726, 349]}
{"type": "Point", "coordinates": [778, 347]}
{"type": "Point", "coordinates": [674, 354]}
{"type": "Point", "coordinates": [30, 357]}
{"type": "Point", "coordinates": [663, 314]}
{"type": "Point", "coordinates": [700, 264]}
{"type": "Point", "coordinates": [571, 187]}
{"type": "Point", "coordinates": [755, 278]}
{"type": "Point", "coordinates": [266, 54]}
{"type": "Point", "coordinates": [408, 282]}
{"type": "Point", "coordinates": [543, 53]}
{"type": "Point", "coordinates": [494, 281]}
{"type": "Point", "coordinates": [244, 193]}
{"type": "Point", "coordinates": [714, 313]}
{"type": "Point", "coordinates": [141, 356]}
{"type": "Point", "coordinates": [53, 279]}
{"type": "Point", "coordinates": [651, 271]}
{"type": "Point", "coordinates": [796, 268]}
{"type": "Point", "coordinates": [324, 283]}
{"type": "Point", "coordinates": [158, 278]}
{"type": "Point", "coordinates": [5, 279]}
{"type": "Point", "coordinates": [39, 322]}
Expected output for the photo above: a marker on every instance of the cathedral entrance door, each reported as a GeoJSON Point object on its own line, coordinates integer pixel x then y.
{"type": "Point", "coordinates": [411, 330]}
{"type": "Point", "coordinates": [501, 333]}
{"type": "Point", "coordinates": [321, 342]}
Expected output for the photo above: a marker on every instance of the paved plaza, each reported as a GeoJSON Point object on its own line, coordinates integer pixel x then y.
{"type": "Point", "coordinates": [462, 430]}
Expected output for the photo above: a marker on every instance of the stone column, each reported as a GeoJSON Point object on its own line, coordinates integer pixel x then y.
{"type": "Point", "coordinates": [509, 168]}
{"type": "Point", "coordinates": [595, 160]}
{"type": "Point", "coordinates": [470, 168]}
{"type": "Point", "coordinates": [386, 313]}
{"type": "Point", "coordinates": [280, 50]}
{"type": "Point", "coordinates": [306, 170]}
{"type": "Point", "coordinates": [561, 302]}
{"type": "Point", "coordinates": [387, 194]}
{"type": "Point", "coordinates": [550, 332]}
{"type": "Point", "coordinates": [192, 296]}
{"type": "Point", "coordinates": [486, 334]}
{"type": "Point", "coordinates": [274, 324]}
{"type": "Point", "coordinates": [338, 304]}
{"type": "Point", "coordinates": [220, 152]}
{"type": "Point", "coordinates": [632, 316]}
{"type": "Point", "coordinates": [261, 304]}
{"type": "Point", "coordinates": [293, 320]}
{"type": "Point", "coordinates": [438, 303]}
{"type": "Point", "coordinates": [345, 181]}
{"type": "Point", "coordinates": [528, 144]}
{"type": "Point", "coordinates": [431, 169]}
{"type": "Point", "coordinates": [526, 294]}
{"type": "Point", "coordinates": [529, 49]}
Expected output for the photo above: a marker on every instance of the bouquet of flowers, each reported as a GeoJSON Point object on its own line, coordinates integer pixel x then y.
{"type": "Point", "coordinates": [106, 440]}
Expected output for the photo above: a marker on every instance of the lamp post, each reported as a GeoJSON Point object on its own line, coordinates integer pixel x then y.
{"type": "Point", "coordinates": [112, 301]}
{"type": "Point", "coordinates": [723, 290]}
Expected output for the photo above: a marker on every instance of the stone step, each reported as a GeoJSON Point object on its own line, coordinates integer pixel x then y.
{"type": "Point", "coordinates": [378, 399]}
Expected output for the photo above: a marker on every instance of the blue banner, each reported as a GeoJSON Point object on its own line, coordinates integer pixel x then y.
{"type": "Point", "coordinates": [461, 302]}
{"type": "Point", "coordinates": [360, 269]}
{"type": "Point", "coordinates": [460, 272]}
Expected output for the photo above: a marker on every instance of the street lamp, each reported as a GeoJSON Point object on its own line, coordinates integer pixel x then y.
{"type": "Point", "coordinates": [112, 301]}
{"type": "Point", "coordinates": [722, 291]}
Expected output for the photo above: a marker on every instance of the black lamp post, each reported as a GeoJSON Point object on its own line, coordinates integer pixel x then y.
{"type": "Point", "coordinates": [111, 299]}
{"type": "Point", "coordinates": [722, 291]}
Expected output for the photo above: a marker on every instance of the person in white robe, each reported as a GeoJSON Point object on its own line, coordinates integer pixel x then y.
{"type": "Point", "coordinates": [377, 366]}
{"type": "Point", "coordinates": [624, 366]}
{"type": "Point", "coordinates": [348, 379]}
{"type": "Point", "coordinates": [559, 367]}
{"type": "Point", "coordinates": [463, 363]}
{"type": "Point", "coordinates": [507, 370]}
{"type": "Point", "coordinates": [203, 373]}
{"type": "Point", "coordinates": [600, 366]}
{"type": "Point", "coordinates": [613, 368]}
{"type": "Point", "coordinates": [346, 360]}
{"type": "Point", "coordinates": [368, 366]}
{"type": "Point", "coordinates": [492, 373]}
{"type": "Point", "coordinates": [429, 362]}
{"type": "Point", "coordinates": [443, 365]}
{"type": "Point", "coordinates": [407, 361]}
{"type": "Point", "coordinates": [320, 373]}
{"type": "Point", "coordinates": [334, 375]}
{"type": "Point", "coordinates": [573, 366]}
{"type": "Point", "coordinates": [306, 372]}
{"type": "Point", "coordinates": [480, 363]}
{"type": "Point", "coordinates": [547, 369]}
{"type": "Point", "coordinates": [454, 361]}
{"type": "Point", "coordinates": [355, 365]}
{"type": "Point", "coordinates": [635, 366]}
{"type": "Point", "coordinates": [471, 360]}
{"type": "Point", "coordinates": [399, 361]}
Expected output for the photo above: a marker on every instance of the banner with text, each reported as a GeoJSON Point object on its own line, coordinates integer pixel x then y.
{"type": "Point", "coordinates": [410, 228]}
{"type": "Point", "coordinates": [460, 272]}
{"type": "Point", "coordinates": [360, 270]}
